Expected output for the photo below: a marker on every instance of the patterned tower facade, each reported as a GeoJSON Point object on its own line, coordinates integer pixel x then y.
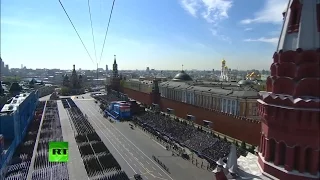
{"type": "Point", "coordinates": [115, 80]}
{"type": "Point", "coordinates": [290, 108]}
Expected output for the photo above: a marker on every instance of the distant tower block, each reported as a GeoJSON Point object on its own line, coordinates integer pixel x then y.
{"type": "Point", "coordinates": [289, 109]}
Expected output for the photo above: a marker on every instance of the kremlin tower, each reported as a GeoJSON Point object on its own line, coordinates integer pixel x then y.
{"type": "Point", "coordinates": [115, 80]}
{"type": "Point", "coordinates": [290, 108]}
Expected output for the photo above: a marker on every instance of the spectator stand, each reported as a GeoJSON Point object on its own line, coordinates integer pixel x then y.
{"type": "Point", "coordinates": [210, 130]}
{"type": "Point", "coordinates": [200, 142]}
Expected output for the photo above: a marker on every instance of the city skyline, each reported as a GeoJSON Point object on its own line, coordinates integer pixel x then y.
{"type": "Point", "coordinates": [159, 35]}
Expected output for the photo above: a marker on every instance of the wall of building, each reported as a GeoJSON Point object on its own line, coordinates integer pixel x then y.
{"type": "Point", "coordinates": [15, 131]}
{"type": "Point", "coordinates": [228, 104]}
{"type": "Point", "coordinates": [144, 98]}
{"type": "Point", "coordinates": [245, 130]}
{"type": "Point", "coordinates": [142, 86]}
{"type": "Point", "coordinates": [249, 108]}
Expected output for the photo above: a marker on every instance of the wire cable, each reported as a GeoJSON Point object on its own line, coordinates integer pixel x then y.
{"type": "Point", "coordinates": [75, 30]}
{"type": "Point", "coordinates": [94, 43]}
{"type": "Point", "coordinates": [105, 36]}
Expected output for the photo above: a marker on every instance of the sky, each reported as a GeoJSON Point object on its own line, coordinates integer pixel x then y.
{"type": "Point", "coordinates": [160, 34]}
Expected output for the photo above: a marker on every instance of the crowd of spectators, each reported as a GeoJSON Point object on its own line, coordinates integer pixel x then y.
{"type": "Point", "coordinates": [203, 143]}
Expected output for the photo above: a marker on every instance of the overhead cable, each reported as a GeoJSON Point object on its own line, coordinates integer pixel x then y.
{"type": "Point", "coordinates": [105, 36]}
{"type": "Point", "coordinates": [94, 43]}
{"type": "Point", "coordinates": [75, 30]}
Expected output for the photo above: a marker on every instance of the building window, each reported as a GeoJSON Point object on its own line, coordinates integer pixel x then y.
{"type": "Point", "coordinates": [207, 102]}
{"type": "Point", "coordinates": [224, 106]}
{"type": "Point", "coordinates": [295, 15]}
{"type": "Point", "coordinates": [238, 108]}
{"type": "Point", "coordinates": [228, 107]}
{"type": "Point", "coordinates": [233, 107]}
{"type": "Point", "coordinates": [254, 109]}
{"type": "Point", "coordinates": [318, 15]}
{"type": "Point", "coordinates": [212, 103]}
{"type": "Point", "coordinates": [250, 109]}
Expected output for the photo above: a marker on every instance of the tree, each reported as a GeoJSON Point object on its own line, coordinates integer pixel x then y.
{"type": "Point", "coordinates": [237, 144]}
{"type": "Point", "coordinates": [225, 139]}
{"type": "Point", "coordinates": [252, 148]}
{"type": "Point", "coordinates": [64, 91]}
{"type": "Point", "coordinates": [243, 145]}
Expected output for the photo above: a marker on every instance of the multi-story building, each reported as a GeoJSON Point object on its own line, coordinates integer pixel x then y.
{"type": "Point", "coordinates": [14, 120]}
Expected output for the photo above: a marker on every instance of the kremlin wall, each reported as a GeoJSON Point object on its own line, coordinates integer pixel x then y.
{"type": "Point", "coordinates": [231, 107]}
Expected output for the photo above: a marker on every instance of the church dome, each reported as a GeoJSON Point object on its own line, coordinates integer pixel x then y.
{"type": "Point", "coordinates": [182, 76]}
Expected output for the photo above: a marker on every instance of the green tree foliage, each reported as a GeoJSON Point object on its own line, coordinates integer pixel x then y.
{"type": "Point", "coordinates": [11, 79]}
{"type": "Point", "coordinates": [237, 144]}
{"type": "Point", "coordinates": [252, 148]}
{"type": "Point", "coordinates": [243, 145]}
{"type": "Point", "coordinates": [65, 91]}
{"type": "Point", "coordinates": [225, 139]}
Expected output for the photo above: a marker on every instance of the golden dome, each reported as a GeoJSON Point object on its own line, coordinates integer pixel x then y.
{"type": "Point", "coordinates": [226, 67]}
{"type": "Point", "coordinates": [223, 61]}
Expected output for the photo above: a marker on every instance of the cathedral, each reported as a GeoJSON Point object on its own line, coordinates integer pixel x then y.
{"type": "Point", "coordinates": [73, 82]}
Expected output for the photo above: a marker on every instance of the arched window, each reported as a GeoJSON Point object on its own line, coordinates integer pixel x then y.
{"type": "Point", "coordinates": [297, 152]}
{"type": "Point", "coordinates": [282, 153]}
{"type": "Point", "coordinates": [272, 147]}
{"type": "Point", "coordinates": [308, 159]}
{"type": "Point", "coordinates": [261, 143]}
{"type": "Point", "coordinates": [295, 15]}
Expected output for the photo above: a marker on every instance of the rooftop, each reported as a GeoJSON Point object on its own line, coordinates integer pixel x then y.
{"type": "Point", "coordinates": [14, 103]}
{"type": "Point", "coordinates": [232, 89]}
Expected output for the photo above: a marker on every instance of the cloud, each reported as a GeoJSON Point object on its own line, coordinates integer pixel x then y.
{"type": "Point", "coordinates": [212, 11]}
{"type": "Point", "coordinates": [191, 6]}
{"type": "Point", "coordinates": [270, 13]}
{"type": "Point", "coordinates": [272, 40]}
{"type": "Point", "coordinates": [216, 10]}
{"type": "Point", "coordinates": [220, 36]}
{"type": "Point", "coordinates": [248, 29]}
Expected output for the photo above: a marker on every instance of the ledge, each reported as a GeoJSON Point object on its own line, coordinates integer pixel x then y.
{"type": "Point", "coordinates": [289, 102]}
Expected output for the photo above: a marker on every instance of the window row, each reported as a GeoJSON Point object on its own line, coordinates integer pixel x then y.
{"type": "Point", "coordinates": [230, 106]}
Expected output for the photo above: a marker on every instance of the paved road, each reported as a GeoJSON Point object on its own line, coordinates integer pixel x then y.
{"type": "Point", "coordinates": [133, 149]}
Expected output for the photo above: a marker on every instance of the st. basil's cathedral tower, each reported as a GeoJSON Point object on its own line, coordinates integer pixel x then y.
{"type": "Point", "coordinates": [290, 108]}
